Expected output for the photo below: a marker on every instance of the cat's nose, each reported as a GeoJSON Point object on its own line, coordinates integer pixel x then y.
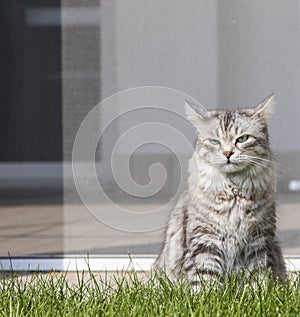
{"type": "Point", "coordinates": [228, 154]}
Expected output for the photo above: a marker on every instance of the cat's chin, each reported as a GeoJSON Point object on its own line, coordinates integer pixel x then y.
{"type": "Point", "coordinates": [231, 168]}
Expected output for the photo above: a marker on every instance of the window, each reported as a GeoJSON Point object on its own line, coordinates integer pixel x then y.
{"type": "Point", "coordinates": [64, 63]}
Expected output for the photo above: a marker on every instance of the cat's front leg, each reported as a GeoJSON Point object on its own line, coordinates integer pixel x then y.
{"type": "Point", "coordinates": [204, 270]}
{"type": "Point", "coordinates": [268, 260]}
{"type": "Point", "coordinates": [275, 261]}
{"type": "Point", "coordinates": [201, 280]}
{"type": "Point", "coordinates": [256, 272]}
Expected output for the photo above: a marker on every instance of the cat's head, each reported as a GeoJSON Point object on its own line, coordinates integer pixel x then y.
{"type": "Point", "coordinates": [235, 140]}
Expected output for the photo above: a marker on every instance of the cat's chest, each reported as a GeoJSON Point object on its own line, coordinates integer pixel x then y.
{"type": "Point", "coordinates": [229, 211]}
{"type": "Point", "coordinates": [231, 206]}
{"type": "Point", "coordinates": [233, 222]}
{"type": "Point", "coordinates": [235, 215]}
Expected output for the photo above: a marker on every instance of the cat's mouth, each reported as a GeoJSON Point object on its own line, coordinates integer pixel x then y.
{"type": "Point", "coordinates": [232, 165]}
{"type": "Point", "coordinates": [231, 162]}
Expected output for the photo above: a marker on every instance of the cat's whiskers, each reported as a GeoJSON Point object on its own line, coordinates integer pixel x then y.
{"type": "Point", "coordinates": [253, 162]}
{"type": "Point", "coordinates": [221, 160]}
{"type": "Point", "coordinates": [257, 158]}
{"type": "Point", "coordinates": [256, 164]}
{"type": "Point", "coordinates": [216, 160]}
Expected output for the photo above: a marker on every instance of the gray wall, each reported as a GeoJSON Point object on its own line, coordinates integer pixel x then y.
{"type": "Point", "coordinates": [163, 43]}
{"type": "Point", "coordinates": [223, 53]}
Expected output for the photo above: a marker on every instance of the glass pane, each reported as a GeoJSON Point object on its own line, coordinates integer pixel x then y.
{"type": "Point", "coordinates": [64, 63]}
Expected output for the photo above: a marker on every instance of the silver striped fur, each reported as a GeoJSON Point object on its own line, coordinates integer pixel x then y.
{"type": "Point", "coordinates": [225, 221]}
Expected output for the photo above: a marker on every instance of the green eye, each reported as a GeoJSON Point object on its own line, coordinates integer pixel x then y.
{"type": "Point", "coordinates": [242, 138]}
{"type": "Point", "coordinates": [214, 142]}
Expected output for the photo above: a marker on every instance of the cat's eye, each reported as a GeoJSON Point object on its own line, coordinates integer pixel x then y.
{"type": "Point", "coordinates": [242, 138]}
{"type": "Point", "coordinates": [214, 141]}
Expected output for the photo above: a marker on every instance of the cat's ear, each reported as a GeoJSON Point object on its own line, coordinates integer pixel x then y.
{"type": "Point", "coordinates": [265, 109]}
{"type": "Point", "coordinates": [197, 115]}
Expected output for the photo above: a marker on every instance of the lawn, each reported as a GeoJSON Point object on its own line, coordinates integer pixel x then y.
{"type": "Point", "coordinates": [127, 294]}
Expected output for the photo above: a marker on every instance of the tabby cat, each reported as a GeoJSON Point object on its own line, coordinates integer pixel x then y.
{"type": "Point", "coordinates": [225, 221]}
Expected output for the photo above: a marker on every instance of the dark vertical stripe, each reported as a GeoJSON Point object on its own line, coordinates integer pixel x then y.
{"type": "Point", "coordinates": [184, 232]}
{"type": "Point", "coordinates": [228, 119]}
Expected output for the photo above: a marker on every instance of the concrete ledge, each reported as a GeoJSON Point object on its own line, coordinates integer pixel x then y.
{"type": "Point", "coordinates": [97, 264]}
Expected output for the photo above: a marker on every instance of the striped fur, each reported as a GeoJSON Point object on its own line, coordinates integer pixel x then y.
{"type": "Point", "coordinates": [225, 221]}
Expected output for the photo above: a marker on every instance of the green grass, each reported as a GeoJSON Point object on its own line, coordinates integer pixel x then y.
{"type": "Point", "coordinates": [128, 295]}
